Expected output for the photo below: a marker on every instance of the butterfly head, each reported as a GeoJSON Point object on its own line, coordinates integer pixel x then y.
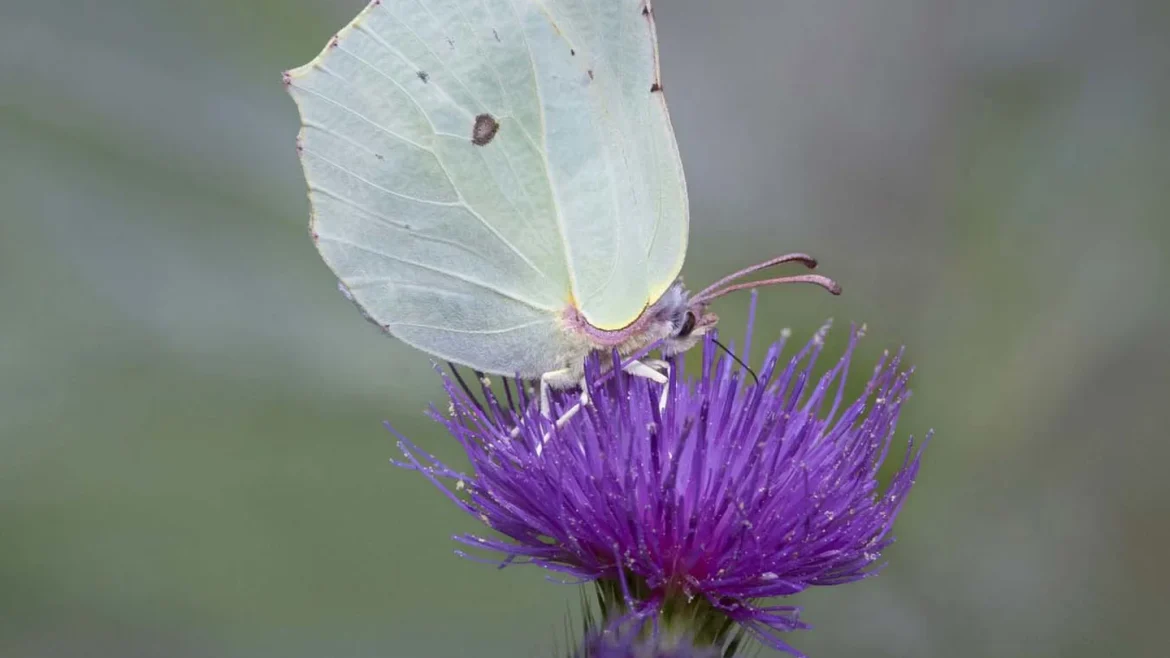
{"type": "Point", "coordinates": [688, 326]}
{"type": "Point", "coordinates": [690, 320]}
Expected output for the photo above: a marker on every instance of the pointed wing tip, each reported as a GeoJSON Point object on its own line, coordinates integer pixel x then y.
{"type": "Point", "coordinates": [291, 75]}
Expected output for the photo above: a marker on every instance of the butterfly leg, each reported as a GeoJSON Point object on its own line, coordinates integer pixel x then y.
{"type": "Point", "coordinates": [558, 379]}
{"type": "Point", "coordinates": [565, 378]}
{"type": "Point", "coordinates": [650, 370]}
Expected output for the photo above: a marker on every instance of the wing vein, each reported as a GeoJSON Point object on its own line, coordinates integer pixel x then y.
{"type": "Point", "coordinates": [523, 189]}
{"type": "Point", "coordinates": [407, 197]}
{"type": "Point", "coordinates": [391, 222]}
{"type": "Point", "coordinates": [438, 270]}
{"type": "Point", "coordinates": [359, 115]}
{"type": "Point", "coordinates": [411, 63]}
{"type": "Point", "coordinates": [379, 71]}
{"type": "Point", "coordinates": [461, 203]}
{"type": "Point", "coordinates": [484, 56]}
{"type": "Point", "coordinates": [503, 330]}
{"type": "Point", "coordinates": [474, 97]}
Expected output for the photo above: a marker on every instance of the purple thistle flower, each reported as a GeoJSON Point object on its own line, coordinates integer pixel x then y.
{"type": "Point", "coordinates": [732, 494]}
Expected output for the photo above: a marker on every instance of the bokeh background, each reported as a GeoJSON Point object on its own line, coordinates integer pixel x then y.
{"type": "Point", "coordinates": [191, 455]}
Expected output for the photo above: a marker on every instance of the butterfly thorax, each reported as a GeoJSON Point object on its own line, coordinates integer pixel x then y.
{"type": "Point", "coordinates": [674, 321]}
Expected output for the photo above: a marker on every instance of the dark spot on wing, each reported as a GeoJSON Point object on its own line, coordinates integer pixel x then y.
{"type": "Point", "coordinates": [333, 42]}
{"type": "Point", "coordinates": [572, 52]}
{"type": "Point", "coordinates": [451, 42]}
{"type": "Point", "coordinates": [590, 74]}
{"type": "Point", "coordinates": [423, 75]}
{"type": "Point", "coordinates": [646, 9]}
{"type": "Point", "coordinates": [655, 87]}
{"type": "Point", "coordinates": [484, 130]}
{"type": "Point", "coordinates": [496, 35]}
{"type": "Point", "coordinates": [379, 156]}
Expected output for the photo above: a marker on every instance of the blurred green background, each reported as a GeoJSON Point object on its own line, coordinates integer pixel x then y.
{"type": "Point", "coordinates": [191, 455]}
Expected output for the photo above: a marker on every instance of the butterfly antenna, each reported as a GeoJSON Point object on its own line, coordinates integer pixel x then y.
{"type": "Point", "coordinates": [712, 291]}
{"type": "Point", "coordinates": [737, 360]}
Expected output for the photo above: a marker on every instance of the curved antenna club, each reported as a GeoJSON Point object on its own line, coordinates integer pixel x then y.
{"type": "Point", "coordinates": [712, 291]}
{"type": "Point", "coordinates": [803, 259]}
{"type": "Point", "coordinates": [816, 279]}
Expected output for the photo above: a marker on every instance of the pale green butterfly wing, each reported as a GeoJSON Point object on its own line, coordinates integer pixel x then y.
{"type": "Point", "coordinates": [472, 251]}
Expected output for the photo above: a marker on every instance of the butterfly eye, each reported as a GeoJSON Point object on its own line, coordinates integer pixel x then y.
{"type": "Point", "coordinates": [688, 326]}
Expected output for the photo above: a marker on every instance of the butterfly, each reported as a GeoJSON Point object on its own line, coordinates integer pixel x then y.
{"type": "Point", "coordinates": [497, 183]}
